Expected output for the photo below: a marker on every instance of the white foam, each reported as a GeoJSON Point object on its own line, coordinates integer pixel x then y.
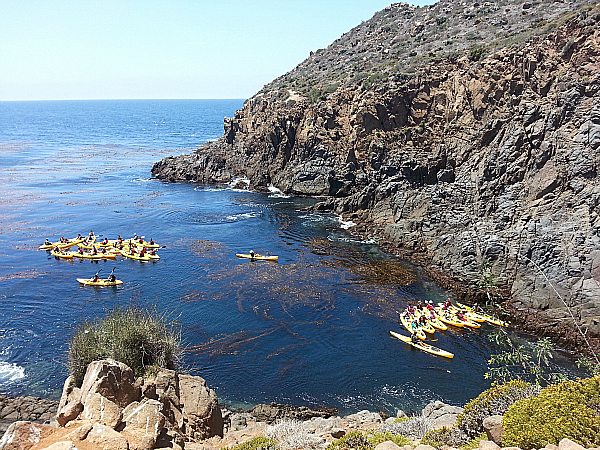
{"type": "Point", "coordinates": [276, 193]}
{"type": "Point", "coordinates": [236, 182]}
{"type": "Point", "coordinates": [141, 180]}
{"type": "Point", "coordinates": [346, 224]}
{"type": "Point", "coordinates": [10, 372]}
{"type": "Point", "coordinates": [242, 216]}
{"type": "Point", "coordinates": [348, 240]}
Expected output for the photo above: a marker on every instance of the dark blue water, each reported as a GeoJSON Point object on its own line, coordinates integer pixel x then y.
{"type": "Point", "coordinates": [311, 329]}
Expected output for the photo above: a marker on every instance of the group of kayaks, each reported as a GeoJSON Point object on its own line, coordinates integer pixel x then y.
{"type": "Point", "coordinates": [90, 247]}
{"type": "Point", "coordinates": [424, 319]}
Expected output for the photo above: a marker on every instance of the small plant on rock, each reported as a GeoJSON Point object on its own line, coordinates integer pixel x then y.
{"type": "Point", "coordinates": [452, 437]}
{"type": "Point", "coordinates": [495, 400]}
{"type": "Point", "coordinates": [355, 440]}
{"type": "Point", "coordinates": [570, 409]}
{"type": "Point", "coordinates": [382, 436]}
{"type": "Point", "coordinates": [414, 428]}
{"type": "Point", "coordinates": [138, 338]}
{"type": "Point", "coordinates": [258, 443]}
{"type": "Point", "coordinates": [292, 435]}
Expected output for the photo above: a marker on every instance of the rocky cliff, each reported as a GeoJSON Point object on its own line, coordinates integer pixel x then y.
{"type": "Point", "coordinates": [467, 133]}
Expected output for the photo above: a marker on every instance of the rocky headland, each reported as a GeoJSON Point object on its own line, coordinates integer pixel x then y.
{"type": "Point", "coordinates": [464, 135]}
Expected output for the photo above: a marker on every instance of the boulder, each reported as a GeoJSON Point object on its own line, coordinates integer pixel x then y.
{"type": "Point", "coordinates": [441, 414]}
{"type": "Point", "coordinates": [364, 417]}
{"type": "Point", "coordinates": [568, 444]}
{"type": "Point", "coordinates": [144, 421]}
{"type": "Point", "coordinates": [24, 435]}
{"type": "Point", "coordinates": [69, 412]}
{"type": "Point", "coordinates": [488, 445]}
{"type": "Point", "coordinates": [200, 407]}
{"type": "Point", "coordinates": [387, 445]}
{"type": "Point", "coordinates": [493, 428]}
{"type": "Point", "coordinates": [62, 445]}
{"type": "Point", "coordinates": [111, 379]}
{"type": "Point", "coordinates": [100, 409]}
{"type": "Point", "coordinates": [102, 437]}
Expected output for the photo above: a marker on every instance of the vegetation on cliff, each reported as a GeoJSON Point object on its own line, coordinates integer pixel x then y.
{"type": "Point", "coordinates": [141, 339]}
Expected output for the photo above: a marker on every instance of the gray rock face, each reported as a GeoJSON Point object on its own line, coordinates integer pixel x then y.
{"type": "Point", "coordinates": [441, 415]}
{"type": "Point", "coordinates": [480, 162]}
{"type": "Point", "coordinates": [31, 409]}
{"type": "Point", "coordinates": [494, 429]}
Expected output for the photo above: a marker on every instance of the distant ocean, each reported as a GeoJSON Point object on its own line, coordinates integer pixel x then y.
{"type": "Point", "coordinates": [309, 330]}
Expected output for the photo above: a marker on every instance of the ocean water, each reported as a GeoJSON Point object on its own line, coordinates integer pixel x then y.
{"type": "Point", "coordinates": [312, 329]}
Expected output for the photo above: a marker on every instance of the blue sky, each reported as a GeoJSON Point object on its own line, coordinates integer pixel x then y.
{"type": "Point", "coordinates": [113, 49]}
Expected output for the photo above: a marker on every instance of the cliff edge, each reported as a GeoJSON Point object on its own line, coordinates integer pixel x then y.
{"type": "Point", "coordinates": [467, 133]}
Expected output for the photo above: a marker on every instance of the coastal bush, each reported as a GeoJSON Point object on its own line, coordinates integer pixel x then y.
{"type": "Point", "coordinates": [495, 400]}
{"type": "Point", "coordinates": [355, 440]}
{"type": "Point", "coordinates": [413, 428]}
{"type": "Point", "coordinates": [257, 443]}
{"type": "Point", "coordinates": [292, 435]}
{"type": "Point", "coordinates": [141, 339]}
{"type": "Point", "coordinates": [570, 409]}
{"type": "Point", "coordinates": [452, 437]}
{"type": "Point", "coordinates": [474, 443]}
{"type": "Point", "coordinates": [381, 436]}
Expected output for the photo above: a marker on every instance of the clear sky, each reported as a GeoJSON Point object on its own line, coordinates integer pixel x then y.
{"type": "Point", "coordinates": [123, 49]}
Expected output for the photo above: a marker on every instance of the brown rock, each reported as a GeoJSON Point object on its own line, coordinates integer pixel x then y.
{"type": "Point", "coordinates": [493, 428]}
{"type": "Point", "coordinates": [69, 412]}
{"type": "Point", "coordinates": [24, 435]}
{"type": "Point", "coordinates": [387, 445]}
{"type": "Point", "coordinates": [488, 445]}
{"type": "Point", "coordinates": [61, 445]}
{"type": "Point", "coordinates": [139, 440]}
{"type": "Point", "coordinates": [111, 379]}
{"type": "Point", "coordinates": [102, 437]}
{"type": "Point", "coordinates": [100, 409]}
{"type": "Point", "coordinates": [200, 407]}
{"type": "Point", "coordinates": [144, 422]}
{"type": "Point", "coordinates": [568, 444]}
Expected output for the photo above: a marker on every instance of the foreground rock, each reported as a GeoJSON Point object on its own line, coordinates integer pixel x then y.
{"type": "Point", "coordinates": [475, 152]}
{"type": "Point", "coordinates": [113, 410]}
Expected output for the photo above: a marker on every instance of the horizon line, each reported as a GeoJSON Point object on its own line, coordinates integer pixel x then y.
{"type": "Point", "coordinates": [115, 99]}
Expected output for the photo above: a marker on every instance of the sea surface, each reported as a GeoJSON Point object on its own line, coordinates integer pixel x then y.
{"type": "Point", "coordinates": [312, 329]}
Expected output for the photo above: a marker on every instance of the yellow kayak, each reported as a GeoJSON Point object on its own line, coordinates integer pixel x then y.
{"type": "Point", "coordinates": [61, 245]}
{"type": "Point", "coordinates": [448, 318]}
{"type": "Point", "coordinates": [427, 326]}
{"type": "Point", "coordinates": [100, 282]}
{"type": "Point", "coordinates": [62, 255]}
{"type": "Point", "coordinates": [142, 243]}
{"type": "Point", "coordinates": [137, 257]}
{"type": "Point", "coordinates": [435, 323]}
{"type": "Point", "coordinates": [407, 324]}
{"type": "Point", "coordinates": [96, 256]}
{"type": "Point", "coordinates": [423, 346]}
{"type": "Point", "coordinates": [257, 257]}
{"type": "Point", "coordinates": [486, 317]}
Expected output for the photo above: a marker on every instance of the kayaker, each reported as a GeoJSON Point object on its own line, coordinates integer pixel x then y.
{"type": "Point", "coordinates": [80, 250]}
{"type": "Point", "coordinates": [413, 338]}
{"type": "Point", "coordinates": [105, 241]}
{"type": "Point", "coordinates": [252, 254]}
{"type": "Point", "coordinates": [111, 277]}
{"type": "Point", "coordinates": [461, 316]}
{"type": "Point", "coordinates": [94, 250]}
{"type": "Point", "coordinates": [91, 235]}
{"type": "Point", "coordinates": [151, 241]}
{"type": "Point", "coordinates": [143, 251]}
{"type": "Point", "coordinates": [79, 236]}
{"type": "Point", "coordinates": [422, 319]}
{"type": "Point", "coordinates": [47, 242]}
{"type": "Point", "coordinates": [414, 325]}
{"type": "Point", "coordinates": [429, 306]}
{"type": "Point", "coordinates": [95, 278]}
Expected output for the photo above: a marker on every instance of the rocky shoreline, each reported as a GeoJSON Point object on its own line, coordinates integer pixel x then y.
{"type": "Point", "coordinates": [476, 158]}
{"type": "Point", "coordinates": [113, 410]}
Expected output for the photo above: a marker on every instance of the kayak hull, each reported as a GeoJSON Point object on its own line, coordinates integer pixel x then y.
{"type": "Point", "coordinates": [423, 346]}
{"type": "Point", "coordinates": [257, 257]}
{"type": "Point", "coordinates": [99, 283]}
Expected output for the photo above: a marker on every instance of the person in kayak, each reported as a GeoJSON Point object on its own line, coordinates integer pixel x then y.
{"type": "Point", "coordinates": [47, 242]}
{"type": "Point", "coordinates": [413, 338]}
{"type": "Point", "coordinates": [111, 277]}
{"type": "Point", "coordinates": [143, 251]}
{"type": "Point", "coordinates": [151, 241]}
{"type": "Point", "coordinates": [80, 250]}
{"type": "Point", "coordinates": [94, 250]}
{"type": "Point", "coordinates": [251, 252]}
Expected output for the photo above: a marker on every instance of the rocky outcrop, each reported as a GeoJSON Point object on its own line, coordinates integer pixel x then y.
{"type": "Point", "coordinates": [32, 409]}
{"type": "Point", "coordinates": [481, 160]}
{"type": "Point", "coordinates": [113, 410]}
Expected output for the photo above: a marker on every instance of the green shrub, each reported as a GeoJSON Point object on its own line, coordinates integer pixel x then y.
{"type": "Point", "coordinates": [495, 400]}
{"type": "Point", "coordinates": [355, 440]}
{"type": "Point", "coordinates": [257, 443]}
{"type": "Point", "coordinates": [570, 409]}
{"type": "Point", "coordinates": [474, 443]}
{"type": "Point", "coordinates": [138, 338]}
{"type": "Point", "coordinates": [452, 437]}
{"type": "Point", "coordinates": [381, 436]}
{"type": "Point", "coordinates": [476, 53]}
